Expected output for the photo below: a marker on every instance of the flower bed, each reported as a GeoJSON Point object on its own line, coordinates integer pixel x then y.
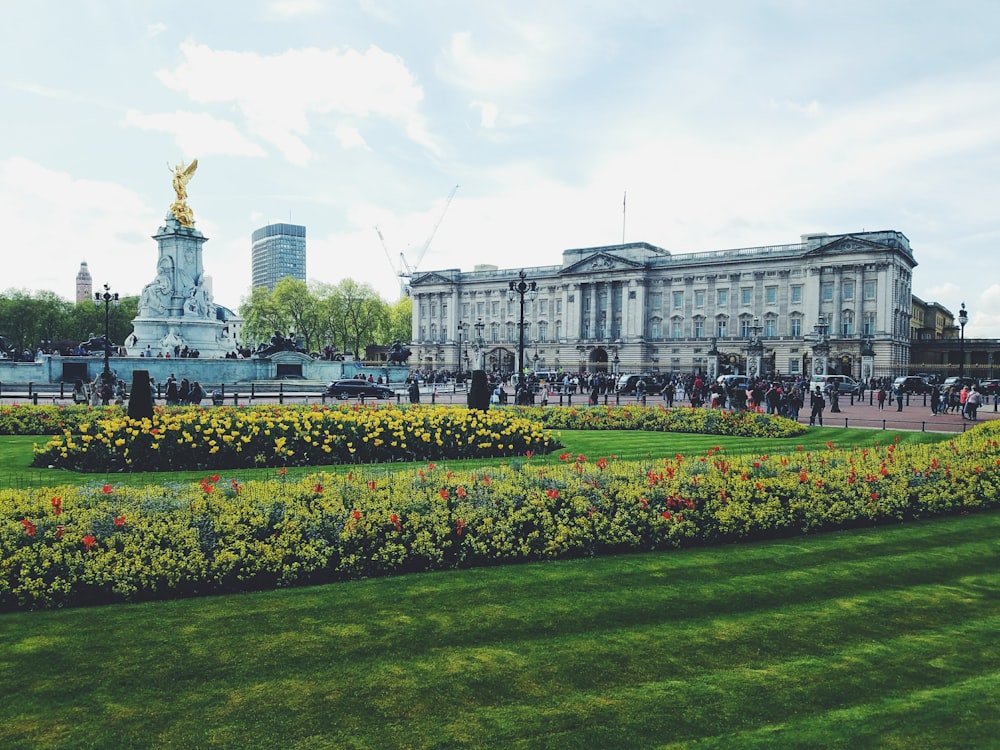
{"type": "Point", "coordinates": [661, 419]}
{"type": "Point", "coordinates": [230, 437]}
{"type": "Point", "coordinates": [76, 546]}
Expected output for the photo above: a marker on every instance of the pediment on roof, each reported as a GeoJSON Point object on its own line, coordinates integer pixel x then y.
{"type": "Point", "coordinates": [429, 278]}
{"type": "Point", "coordinates": [601, 263]}
{"type": "Point", "coordinates": [846, 245]}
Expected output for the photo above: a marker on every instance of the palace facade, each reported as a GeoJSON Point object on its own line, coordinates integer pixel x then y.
{"type": "Point", "coordinates": [639, 308]}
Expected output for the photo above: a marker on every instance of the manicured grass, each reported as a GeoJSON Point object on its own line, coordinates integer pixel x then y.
{"type": "Point", "coordinates": [16, 453]}
{"type": "Point", "coordinates": [869, 638]}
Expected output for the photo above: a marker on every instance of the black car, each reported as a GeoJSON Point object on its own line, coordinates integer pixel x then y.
{"type": "Point", "coordinates": [990, 387]}
{"type": "Point", "coordinates": [911, 384]}
{"type": "Point", "coordinates": [356, 387]}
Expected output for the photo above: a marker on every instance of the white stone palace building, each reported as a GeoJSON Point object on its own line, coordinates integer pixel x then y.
{"type": "Point", "coordinates": [639, 308]}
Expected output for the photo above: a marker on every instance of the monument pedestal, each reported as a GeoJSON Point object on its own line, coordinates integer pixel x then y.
{"type": "Point", "coordinates": [176, 309]}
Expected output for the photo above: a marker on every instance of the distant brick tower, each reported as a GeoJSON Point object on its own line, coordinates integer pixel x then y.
{"type": "Point", "coordinates": [84, 284]}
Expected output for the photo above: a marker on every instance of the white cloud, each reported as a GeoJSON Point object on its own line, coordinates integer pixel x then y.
{"type": "Point", "coordinates": [350, 137]}
{"type": "Point", "coordinates": [155, 29]}
{"type": "Point", "coordinates": [67, 220]}
{"type": "Point", "coordinates": [197, 134]}
{"type": "Point", "coordinates": [279, 94]}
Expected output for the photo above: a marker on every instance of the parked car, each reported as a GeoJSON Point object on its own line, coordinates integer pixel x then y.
{"type": "Point", "coordinates": [627, 384]}
{"type": "Point", "coordinates": [957, 382]}
{"type": "Point", "coordinates": [844, 383]}
{"type": "Point", "coordinates": [356, 387]}
{"type": "Point", "coordinates": [990, 387]}
{"type": "Point", "coordinates": [741, 382]}
{"type": "Point", "coordinates": [911, 384]}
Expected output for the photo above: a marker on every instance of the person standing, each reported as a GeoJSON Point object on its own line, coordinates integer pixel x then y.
{"type": "Point", "coordinates": [817, 404]}
{"type": "Point", "coordinates": [935, 401]}
{"type": "Point", "coordinates": [972, 402]}
{"type": "Point", "coordinates": [898, 392]}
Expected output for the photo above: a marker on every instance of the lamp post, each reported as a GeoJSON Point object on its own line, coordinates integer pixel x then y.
{"type": "Point", "coordinates": [107, 298]}
{"type": "Point", "coordinates": [963, 318]}
{"type": "Point", "coordinates": [518, 290]}
{"type": "Point", "coordinates": [755, 350]}
{"type": "Point", "coordinates": [480, 327]}
{"type": "Point", "coordinates": [462, 328]}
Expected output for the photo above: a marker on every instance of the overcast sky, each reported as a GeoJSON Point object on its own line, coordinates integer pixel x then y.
{"type": "Point", "coordinates": [733, 123]}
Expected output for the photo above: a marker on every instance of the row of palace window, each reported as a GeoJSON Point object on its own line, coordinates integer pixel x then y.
{"type": "Point", "coordinates": [675, 328]}
{"type": "Point", "coordinates": [848, 291]}
{"type": "Point", "coordinates": [543, 307]}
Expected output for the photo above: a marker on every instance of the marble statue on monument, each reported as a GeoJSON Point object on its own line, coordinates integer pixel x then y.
{"type": "Point", "coordinates": [177, 307]}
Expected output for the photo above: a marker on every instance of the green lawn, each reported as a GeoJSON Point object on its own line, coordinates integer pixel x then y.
{"type": "Point", "coordinates": [16, 453]}
{"type": "Point", "coordinates": [870, 638]}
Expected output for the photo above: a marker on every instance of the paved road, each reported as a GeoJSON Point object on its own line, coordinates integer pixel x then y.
{"type": "Point", "coordinates": [915, 415]}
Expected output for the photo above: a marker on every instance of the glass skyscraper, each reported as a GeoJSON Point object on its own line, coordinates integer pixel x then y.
{"type": "Point", "coordinates": [277, 251]}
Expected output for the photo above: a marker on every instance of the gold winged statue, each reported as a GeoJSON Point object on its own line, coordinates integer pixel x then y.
{"type": "Point", "coordinates": [182, 176]}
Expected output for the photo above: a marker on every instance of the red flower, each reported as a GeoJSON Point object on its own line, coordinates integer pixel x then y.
{"type": "Point", "coordinates": [318, 489]}
{"type": "Point", "coordinates": [459, 526]}
{"type": "Point", "coordinates": [395, 522]}
{"type": "Point", "coordinates": [444, 494]}
{"type": "Point", "coordinates": [553, 494]}
{"type": "Point", "coordinates": [602, 463]}
{"type": "Point", "coordinates": [57, 505]}
{"type": "Point", "coordinates": [371, 485]}
{"type": "Point", "coordinates": [430, 466]}
{"type": "Point", "coordinates": [119, 521]}
{"type": "Point", "coordinates": [29, 527]}
{"type": "Point", "coordinates": [564, 456]}
{"type": "Point", "coordinates": [666, 515]}
{"type": "Point", "coordinates": [529, 454]}
{"type": "Point", "coordinates": [107, 489]}
{"type": "Point", "coordinates": [356, 515]}
{"type": "Point", "coordinates": [461, 492]}
{"type": "Point", "coordinates": [643, 502]}
{"type": "Point", "coordinates": [282, 471]}
{"type": "Point", "coordinates": [236, 486]}
{"type": "Point", "coordinates": [60, 530]}
{"type": "Point", "coordinates": [214, 478]}
{"type": "Point", "coordinates": [88, 541]}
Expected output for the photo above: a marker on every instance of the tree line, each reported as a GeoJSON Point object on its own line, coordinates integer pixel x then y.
{"type": "Point", "coordinates": [348, 316]}
{"type": "Point", "coordinates": [43, 320]}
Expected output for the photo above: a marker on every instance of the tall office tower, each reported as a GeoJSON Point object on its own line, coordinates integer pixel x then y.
{"type": "Point", "coordinates": [278, 250]}
{"type": "Point", "coordinates": [84, 284]}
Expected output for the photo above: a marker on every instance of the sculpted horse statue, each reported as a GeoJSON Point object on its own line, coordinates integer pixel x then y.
{"type": "Point", "coordinates": [398, 354]}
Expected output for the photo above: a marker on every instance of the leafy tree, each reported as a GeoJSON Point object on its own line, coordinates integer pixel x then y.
{"type": "Point", "coordinates": [294, 299]}
{"type": "Point", "coordinates": [262, 316]}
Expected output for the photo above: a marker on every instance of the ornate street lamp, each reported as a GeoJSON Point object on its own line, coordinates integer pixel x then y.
{"type": "Point", "coordinates": [107, 298]}
{"type": "Point", "coordinates": [480, 343]}
{"type": "Point", "coordinates": [755, 350]}
{"type": "Point", "coordinates": [963, 318]}
{"type": "Point", "coordinates": [518, 290]}
{"type": "Point", "coordinates": [463, 327]}
{"type": "Point", "coordinates": [821, 349]}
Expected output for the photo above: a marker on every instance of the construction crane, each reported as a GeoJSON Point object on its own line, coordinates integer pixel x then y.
{"type": "Point", "coordinates": [405, 269]}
